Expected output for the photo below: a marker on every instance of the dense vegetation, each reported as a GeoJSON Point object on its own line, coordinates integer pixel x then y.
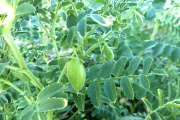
{"type": "Point", "coordinates": [121, 61]}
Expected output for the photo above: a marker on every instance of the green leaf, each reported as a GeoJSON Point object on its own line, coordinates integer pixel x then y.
{"type": "Point", "coordinates": [147, 64]}
{"type": "Point", "coordinates": [127, 87]}
{"type": "Point", "coordinates": [82, 27]}
{"type": "Point", "coordinates": [71, 21]}
{"type": "Point", "coordinates": [161, 97]}
{"type": "Point", "coordinates": [69, 88]}
{"type": "Point", "coordinates": [167, 51]}
{"type": "Point", "coordinates": [159, 116]}
{"type": "Point", "coordinates": [108, 68]}
{"type": "Point", "coordinates": [53, 63]}
{"type": "Point", "coordinates": [49, 91]}
{"type": "Point", "coordinates": [2, 117]}
{"type": "Point", "coordinates": [14, 118]}
{"type": "Point", "coordinates": [134, 64]}
{"type": "Point", "coordinates": [79, 101]}
{"type": "Point", "coordinates": [101, 20]}
{"type": "Point", "coordinates": [61, 95]}
{"type": "Point", "coordinates": [20, 75]}
{"type": "Point", "coordinates": [79, 38]}
{"type": "Point", "coordinates": [52, 104]}
{"type": "Point", "coordinates": [171, 92]}
{"type": "Point", "coordinates": [3, 100]}
{"type": "Point", "coordinates": [79, 5]}
{"type": "Point", "coordinates": [63, 15]}
{"type": "Point", "coordinates": [171, 105]}
{"type": "Point", "coordinates": [120, 66]}
{"type": "Point", "coordinates": [101, 1]}
{"type": "Point", "coordinates": [37, 2]}
{"type": "Point", "coordinates": [110, 90]}
{"type": "Point", "coordinates": [24, 8]}
{"type": "Point", "coordinates": [93, 92]}
{"type": "Point", "coordinates": [158, 3]}
{"type": "Point", "coordinates": [71, 35]}
{"type": "Point", "coordinates": [2, 67]}
{"type": "Point", "coordinates": [139, 91]}
{"type": "Point", "coordinates": [148, 104]}
{"type": "Point", "coordinates": [158, 49]}
{"type": "Point", "coordinates": [148, 45]}
{"type": "Point", "coordinates": [159, 72]}
{"type": "Point", "coordinates": [144, 81]}
{"type": "Point", "coordinates": [65, 3]}
{"type": "Point", "coordinates": [27, 113]}
{"type": "Point", "coordinates": [94, 71]}
{"type": "Point", "coordinates": [178, 90]}
{"type": "Point", "coordinates": [2, 28]}
{"type": "Point", "coordinates": [175, 54]}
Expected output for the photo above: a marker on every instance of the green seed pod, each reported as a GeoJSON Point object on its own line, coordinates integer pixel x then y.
{"type": "Point", "coordinates": [108, 52]}
{"type": "Point", "coordinates": [115, 42]}
{"type": "Point", "coordinates": [76, 73]}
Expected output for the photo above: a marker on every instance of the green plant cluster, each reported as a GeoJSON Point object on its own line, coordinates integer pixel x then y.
{"type": "Point", "coordinates": [124, 64]}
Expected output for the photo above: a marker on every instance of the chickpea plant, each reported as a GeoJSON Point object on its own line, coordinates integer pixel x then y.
{"type": "Point", "coordinates": [124, 63]}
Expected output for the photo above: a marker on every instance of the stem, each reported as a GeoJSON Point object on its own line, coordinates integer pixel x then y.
{"type": "Point", "coordinates": [53, 32]}
{"type": "Point", "coordinates": [94, 28]}
{"type": "Point", "coordinates": [129, 12]}
{"type": "Point", "coordinates": [12, 15]}
{"type": "Point", "coordinates": [34, 80]}
{"type": "Point", "coordinates": [15, 50]}
{"type": "Point", "coordinates": [62, 73]}
{"type": "Point", "coordinates": [50, 115]}
{"type": "Point", "coordinates": [73, 115]}
{"type": "Point", "coordinates": [167, 12]}
{"type": "Point", "coordinates": [42, 37]}
{"type": "Point", "coordinates": [157, 26]}
{"type": "Point", "coordinates": [9, 55]}
{"type": "Point", "coordinates": [74, 8]}
{"type": "Point", "coordinates": [155, 30]}
{"type": "Point", "coordinates": [45, 30]}
{"type": "Point", "coordinates": [97, 44]}
{"type": "Point", "coordinates": [139, 2]}
{"type": "Point", "coordinates": [16, 88]}
{"type": "Point", "coordinates": [175, 100]}
{"type": "Point", "coordinates": [56, 49]}
{"type": "Point", "coordinates": [107, 7]}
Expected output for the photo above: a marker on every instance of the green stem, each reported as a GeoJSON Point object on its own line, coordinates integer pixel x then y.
{"type": "Point", "coordinates": [34, 80]}
{"type": "Point", "coordinates": [53, 32]}
{"type": "Point", "coordinates": [97, 44]}
{"type": "Point", "coordinates": [15, 50]}
{"type": "Point", "coordinates": [73, 115]}
{"type": "Point", "coordinates": [139, 2]}
{"type": "Point", "coordinates": [132, 9]}
{"type": "Point", "coordinates": [167, 12]}
{"type": "Point", "coordinates": [9, 55]}
{"type": "Point", "coordinates": [160, 107]}
{"type": "Point", "coordinates": [155, 30]}
{"type": "Point", "coordinates": [42, 38]}
{"type": "Point", "coordinates": [63, 71]}
{"type": "Point", "coordinates": [45, 29]}
{"type": "Point", "coordinates": [20, 59]}
{"type": "Point", "coordinates": [12, 16]}
{"type": "Point", "coordinates": [74, 8]}
{"type": "Point", "coordinates": [94, 28]}
{"type": "Point", "coordinates": [50, 115]}
{"type": "Point", "coordinates": [129, 13]}
{"type": "Point", "coordinates": [16, 88]}
{"type": "Point", "coordinates": [107, 7]}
